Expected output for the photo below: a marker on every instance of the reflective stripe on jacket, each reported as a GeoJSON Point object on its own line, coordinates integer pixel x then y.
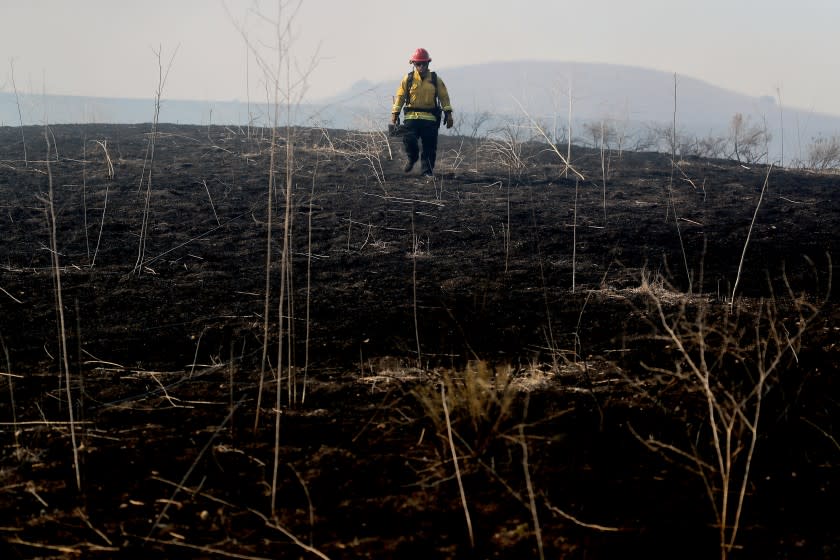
{"type": "Point", "coordinates": [421, 97]}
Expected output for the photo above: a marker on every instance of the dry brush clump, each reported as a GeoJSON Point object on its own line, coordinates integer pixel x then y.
{"type": "Point", "coordinates": [824, 153]}
{"type": "Point", "coordinates": [370, 149]}
{"type": "Point", "coordinates": [467, 411]}
{"type": "Point", "coordinates": [717, 365]}
{"type": "Point", "coordinates": [481, 437]}
{"type": "Point", "coordinates": [480, 402]}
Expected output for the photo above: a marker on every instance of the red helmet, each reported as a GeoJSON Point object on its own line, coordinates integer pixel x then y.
{"type": "Point", "coordinates": [420, 55]}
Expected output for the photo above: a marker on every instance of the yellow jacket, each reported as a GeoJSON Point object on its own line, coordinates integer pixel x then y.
{"type": "Point", "coordinates": [421, 98]}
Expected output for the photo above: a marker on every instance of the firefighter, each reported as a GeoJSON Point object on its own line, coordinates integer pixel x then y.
{"type": "Point", "coordinates": [423, 97]}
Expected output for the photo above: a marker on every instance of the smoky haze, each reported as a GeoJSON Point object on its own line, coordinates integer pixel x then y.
{"type": "Point", "coordinates": [630, 98]}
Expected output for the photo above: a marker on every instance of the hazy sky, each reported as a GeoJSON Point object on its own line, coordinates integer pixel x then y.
{"type": "Point", "coordinates": [107, 47]}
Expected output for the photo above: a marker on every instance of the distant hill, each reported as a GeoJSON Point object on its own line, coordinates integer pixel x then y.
{"type": "Point", "coordinates": [598, 91]}
{"type": "Point", "coordinates": [633, 98]}
{"type": "Point", "coordinates": [630, 97]}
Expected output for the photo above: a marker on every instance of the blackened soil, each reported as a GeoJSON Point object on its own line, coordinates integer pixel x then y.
{"type": "Point", "coordinates": [504, 270]}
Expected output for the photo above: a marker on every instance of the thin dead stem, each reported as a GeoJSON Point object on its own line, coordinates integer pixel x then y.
{"type": "Point", "coordinates": [455, 462]}
{"type": "Point", "coordinates": [577, 521]}
{"type": "Point", "coordinates": [414, 287]}
{"type": "Point", "coordinates": [104, 146]}
{"type": "Point", "coordinates": [553, 146]}
{"type": "Point", "coordinates": [11, 391]}
{"type": "Point", "coordinates": [308, 285]}
{"type": "Point", "coordinates": [266, 297]}
{"type": "Point", "coordinates": [13, 298]}
{"type": "Point", "coordinates": [186, 476]}
{"type": "Point", "coordinates": [574, 237]}
{"type": "Point", "coordinates": [20, 114]}
{"type": "Point", "coordinates": [532, 502]}
{"type": "Point", "coordinates": [830, 437]}
{"type": "Point", "coordinates": [150, 159]}
{"type": "Point", "coordinates": [213, 206]}
{"type": "Point", "coordinates": [671, 205]}
{"type": "Point", "coordinates": [268, 522]}
{"type": "Point", "coordinates": [749, 233]}
{"type": "Point", "coordinates": [62, 330]}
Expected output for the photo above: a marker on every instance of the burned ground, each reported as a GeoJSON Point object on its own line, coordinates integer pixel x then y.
{"type": "Point", "coordinates": [507, 270]}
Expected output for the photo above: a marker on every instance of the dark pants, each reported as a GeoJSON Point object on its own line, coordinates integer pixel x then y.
{"type": "Point", "coordinates": [419, 130]}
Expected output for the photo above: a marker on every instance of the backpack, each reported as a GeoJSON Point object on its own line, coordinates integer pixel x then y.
{"type": "Point", "coordinates": [437, 111]}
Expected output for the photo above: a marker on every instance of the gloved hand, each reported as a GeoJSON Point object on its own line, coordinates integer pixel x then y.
{"type": "Point", "coordinates": [448, 119]}
{"type": "Point", "coordinates": [395, 118]}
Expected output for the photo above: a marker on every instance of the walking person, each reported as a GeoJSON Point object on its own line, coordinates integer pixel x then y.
{"type": "Point", "coordinates": [423, 97]}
